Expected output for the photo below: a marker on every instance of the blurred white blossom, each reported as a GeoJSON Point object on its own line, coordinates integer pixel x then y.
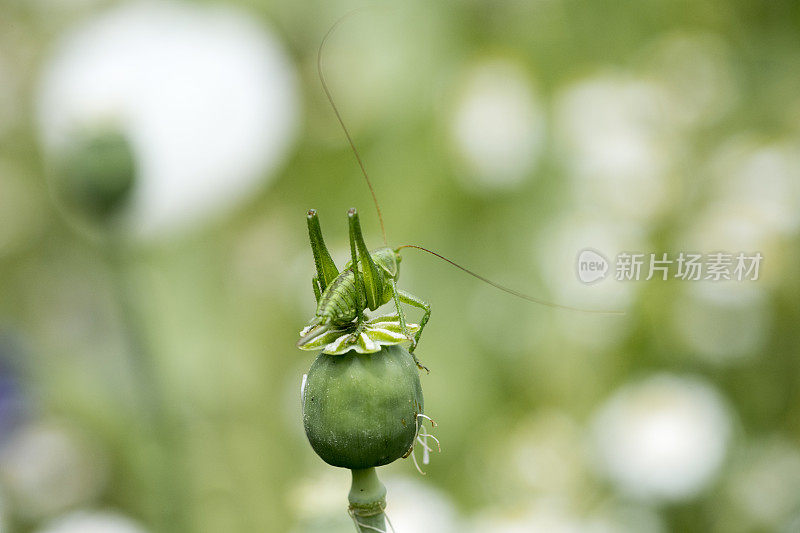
{"type": "Point", "coordinates": [556, 251]}
{"type": "Point", "coordinates": [498, 127]}
{"type": "Point", "coordinates": [93, 522]}
{"type": "Point", "coordinates": [764, 484]}
{"type": "Point", "coordinates": [616, 141]}
{"type": "Point", "coordinates": [542, 455]}
{"type": "Point", "coordinates": [206, 95]}
{"type": "Point", "coordinates": [722, 322]}
{"type": "Point", "coordinates": [49, 467]}
{"type": "Point", "coordinates": [558, 515]}
{"type": "Point", "coordinates": [697, 75]}
{"type": "Point", "coordinates": [759, 181]}
{"type": "Point", "coordinates": [416, 505]}
{"type": "Point", "coordinates": [663, 438]}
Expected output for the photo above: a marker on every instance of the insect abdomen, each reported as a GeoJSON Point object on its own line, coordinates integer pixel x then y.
{"type": "Point", "coordinates": [340, 301]}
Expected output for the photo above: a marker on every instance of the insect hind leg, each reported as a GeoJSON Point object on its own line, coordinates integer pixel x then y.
{"type": "Point", "coordinates": [410, 299]}
{"type": "Point", "coordinates": [326, 268]}
{"type": "Point", "coordinates": [316, 286]}
{"type": "Point", "coordinates": [399, 296]}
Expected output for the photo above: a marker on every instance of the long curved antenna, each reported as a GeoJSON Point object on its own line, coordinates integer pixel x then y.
{"type": "Point", "coordinates": [506, 289]}
{"type": "Point", "coordinates": [339, 117]}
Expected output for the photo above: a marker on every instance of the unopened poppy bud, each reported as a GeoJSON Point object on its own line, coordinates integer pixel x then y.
{"type": "Point", "coordinates": [95, 174]}
{"type": "Point", "coordinates": [360, 410]}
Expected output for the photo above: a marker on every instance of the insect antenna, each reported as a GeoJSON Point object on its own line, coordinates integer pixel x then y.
{"type": "Point", "coordinates": [509, 290]}
{"type": "Point", "coordinates": [341, 121]}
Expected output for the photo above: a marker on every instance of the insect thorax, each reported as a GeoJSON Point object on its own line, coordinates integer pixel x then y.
{"type": "Point", "coordinates": [386, 259]}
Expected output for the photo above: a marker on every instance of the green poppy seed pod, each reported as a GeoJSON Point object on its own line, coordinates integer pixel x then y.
{"type": "Point", "coordinates": [360, 410]}
{"type": "Point", "coordinates": [95, 174]}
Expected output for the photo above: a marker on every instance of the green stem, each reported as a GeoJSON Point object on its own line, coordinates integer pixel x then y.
{"type": "Point", "coordinates": [170, 475]}
{"type": "Point", "coordinates": [367, 501]}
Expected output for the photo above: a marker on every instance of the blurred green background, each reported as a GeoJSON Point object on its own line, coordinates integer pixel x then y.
{"type": "Point", "coordinates": [156, 163]}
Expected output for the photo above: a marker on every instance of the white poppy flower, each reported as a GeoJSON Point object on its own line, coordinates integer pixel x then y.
{"type": "Point", "coordinates": [664, 438]}
{"type": "Point", "coordinates": [206, 95]}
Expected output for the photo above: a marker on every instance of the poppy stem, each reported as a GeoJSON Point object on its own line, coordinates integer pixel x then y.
{"type": "Point", "coordinates": [367, 501]}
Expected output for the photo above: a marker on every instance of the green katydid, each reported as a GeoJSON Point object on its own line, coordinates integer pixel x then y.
{"type": "Point", "coordinates": [343, 297]}
{"type": "Point", "coordinates": [369, 280]}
